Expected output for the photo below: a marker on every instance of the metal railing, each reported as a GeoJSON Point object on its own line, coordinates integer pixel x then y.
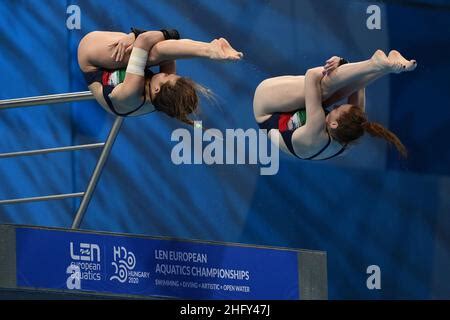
{"type": "Point", "coordinates": [43, 100]}
{"type": "Point", "coordinates": [106, 150]}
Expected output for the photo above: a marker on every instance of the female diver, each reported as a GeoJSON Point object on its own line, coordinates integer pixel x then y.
{"type": "Point", "coordinates": [293, 108]}
{"type": "Point", "coordinates": [115, 66]}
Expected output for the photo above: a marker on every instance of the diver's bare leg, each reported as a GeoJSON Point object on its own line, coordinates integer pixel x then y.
{"type": "Point", "coordinates": [352, 77]}
{"type": "Point", "coordinates": [218, 49]}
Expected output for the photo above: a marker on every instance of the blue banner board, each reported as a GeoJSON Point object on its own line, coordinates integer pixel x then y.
{"type": "Point", "coordinates": [80, 261]}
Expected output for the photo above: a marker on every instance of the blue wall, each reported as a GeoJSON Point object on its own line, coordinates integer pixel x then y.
{"type": "Point", "coordinates": [368, 208]}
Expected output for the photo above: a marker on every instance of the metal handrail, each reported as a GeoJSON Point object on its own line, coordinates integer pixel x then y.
{"type": "Point", "coordinates": [97, 172]}
{"type": "Point", "coordinates": [52, 150]}
{"type": "Point", "coordinates": [43, 198]}
{"type": "Point", "coordinates": [44, 100]}
{"type": "Point", "coordinates": [107, 146]}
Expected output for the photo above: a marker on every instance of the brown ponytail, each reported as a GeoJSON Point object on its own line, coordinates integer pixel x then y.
{"type": "Point", "coordinates": [181, 99]}
{"type": "Point", "coordinates": [353, 124]}
{"type": "Point", "coordinates": [377, 130]}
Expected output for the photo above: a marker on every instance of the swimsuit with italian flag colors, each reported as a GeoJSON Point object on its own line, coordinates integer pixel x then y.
{"type": "Point", "coordinates": [290, 121]}
{"type": "Point", "coordinates": [113, 78]}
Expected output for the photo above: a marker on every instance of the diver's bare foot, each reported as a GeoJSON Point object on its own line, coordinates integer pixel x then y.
{"type": "Point", "coordinates": [222, 50]}
{"type": "Point", "coordinates": [381, 60]}
{"type": "Point", "coordinates": [399, 63]}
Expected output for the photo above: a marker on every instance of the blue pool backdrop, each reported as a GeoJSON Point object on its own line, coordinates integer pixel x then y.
{"type": "Point", "coordinates": [368, 208]}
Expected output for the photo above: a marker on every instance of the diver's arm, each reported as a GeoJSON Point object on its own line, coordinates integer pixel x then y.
{"type": "Point", "coordinates": [130, 90]}
{"type": "Point", "coordinates": [169, 67]}
{"type": "Point", "coordinates": [315, 115]}
{"type": "Point", "coordinates": [358, 98]}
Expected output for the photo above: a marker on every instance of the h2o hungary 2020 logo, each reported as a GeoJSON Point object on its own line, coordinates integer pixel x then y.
{"type": "Point", "coordinates": [124, 264]}
{"type": "Point", "coordinates": [124, 261]}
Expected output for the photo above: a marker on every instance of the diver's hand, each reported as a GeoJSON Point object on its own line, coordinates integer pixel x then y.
{"type": "Point", "coordinates": [331, 65]}
{"type": "Point", "coordinates": [122, 47]}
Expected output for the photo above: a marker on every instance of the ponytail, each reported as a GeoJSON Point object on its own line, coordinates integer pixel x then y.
{"type": "Point", "coordinates": [377, 130]}
{"type": "Point", "coordinates": [353, 124]}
